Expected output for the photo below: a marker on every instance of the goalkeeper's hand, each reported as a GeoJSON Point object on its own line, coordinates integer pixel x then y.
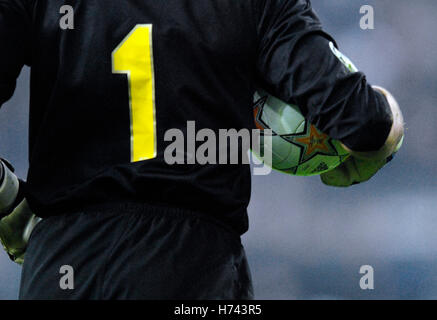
{"type": "Point", "coordinates": [361, 166]}
{"type": "Point", "coordinates": [356, 170]}
{"type": "Point", "coordinates": [17, 220]}
{"type": "Point", "coordinates": [353, 171]}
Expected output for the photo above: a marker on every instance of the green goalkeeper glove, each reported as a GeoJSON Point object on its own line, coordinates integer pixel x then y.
{"type": "Point", "coordinates": [355, 170]}
{"type": "Point", "coordinates": [17, 220]}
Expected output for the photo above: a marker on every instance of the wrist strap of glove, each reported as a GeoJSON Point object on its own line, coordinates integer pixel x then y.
{"type": "Point", "coordinates": [9, 186]}
{"type": "Point", "coordinates": [390, 158]}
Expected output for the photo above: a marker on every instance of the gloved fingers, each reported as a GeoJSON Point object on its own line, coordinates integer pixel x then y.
{"type": "Point", "coordinates": [352, 171]}
{"type": "Point", "coordinates": [338, 177]}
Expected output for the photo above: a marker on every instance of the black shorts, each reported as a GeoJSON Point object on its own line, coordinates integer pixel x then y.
{"type": "Point", "coordinates": [134, 252]}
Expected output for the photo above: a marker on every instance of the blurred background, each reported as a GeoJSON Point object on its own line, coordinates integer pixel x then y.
{"type": "Point", "coordinates": [308, 241]}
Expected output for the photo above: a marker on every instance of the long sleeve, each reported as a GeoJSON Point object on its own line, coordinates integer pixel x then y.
{"type": "Point", "coordinates": [297, 64]}
{"type": "Point", "coordinates": [14, 45]}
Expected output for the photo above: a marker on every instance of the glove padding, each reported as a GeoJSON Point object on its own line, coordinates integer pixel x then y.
{"type": "Point", "coordinates": [9, 188]}
{"type": "Point", "coordinates": [352, 171]}
{"type": "Point", "coordinates": [15, 230]}
{"type": "Point", "coordinates": [356, 170]}
{"type": "Point", "coordinates": [17, 220]}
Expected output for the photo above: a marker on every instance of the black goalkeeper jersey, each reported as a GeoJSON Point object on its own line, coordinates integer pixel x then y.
{"type": "Point", "coordinates": [104, 93]}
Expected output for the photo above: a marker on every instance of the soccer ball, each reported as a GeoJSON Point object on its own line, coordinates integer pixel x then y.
{"type": "Point", "coordinates": [297, 146]}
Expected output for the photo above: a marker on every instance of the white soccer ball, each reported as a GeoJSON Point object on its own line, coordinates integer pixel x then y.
{"type": "Point", "coordinates": [297, 146]}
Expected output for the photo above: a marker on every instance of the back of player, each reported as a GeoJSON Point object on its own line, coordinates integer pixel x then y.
{"type": "Point", "coordinates": [103, 95]}
{"type": "Point", "coordinates": [104, 92]}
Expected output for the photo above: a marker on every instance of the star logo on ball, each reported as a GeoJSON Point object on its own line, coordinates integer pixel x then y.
{"type": "Point", "coordinates": [257, 113]}
{"type": "Point", "coordinates": [314, 142]}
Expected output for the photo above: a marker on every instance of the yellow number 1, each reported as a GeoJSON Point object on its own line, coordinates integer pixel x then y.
{"type": "Point", "coordinates": [134, 57]}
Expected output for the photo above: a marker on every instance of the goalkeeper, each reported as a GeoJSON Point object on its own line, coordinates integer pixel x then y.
{"type": "Point", "coordinates": [105, 92]}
